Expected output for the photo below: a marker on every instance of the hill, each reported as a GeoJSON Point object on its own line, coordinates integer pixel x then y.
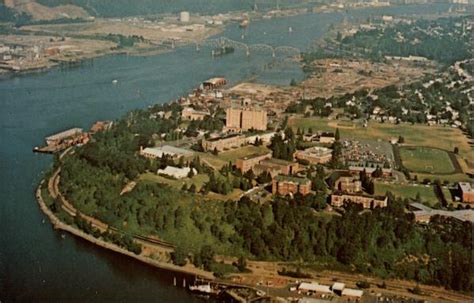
{"type": "Point", "coordinates": [38, 11]}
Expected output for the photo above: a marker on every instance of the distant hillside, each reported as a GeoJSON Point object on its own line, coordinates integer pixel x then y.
{"type": "Point", "coordinates": [118, 8]}
{"type": "Point", "coordinates": [38, 11]}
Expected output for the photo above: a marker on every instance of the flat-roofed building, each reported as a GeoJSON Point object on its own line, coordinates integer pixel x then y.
{"type": "Point", "coordinates": [338, 287]}
{"type": "Point", "coordinates": [423, 213]}
{"type": "Point", "coordinates": [276, 167]}
{"type": "Point", "coordinates": [352, 293]}
{"type": "Point", "coordinates": [223, 143]}
{"type": "Point", "coordinates": [247, 163]}
{"type": "Point", "coordinates": [338, 200]}
{"type": "Point", "coordinates": [314, 155]}
{"type": "Point", "coordinates": [214, 83]}
{"type": "Point", "coordinates": [466, 192]}
{"type": "Point", "coordinates": [327, 138]}
{"type": "Point", "coordinates": [67, 134]}
{"type": "Point", "coordinates": [314, 287]}
{"type": "Point", "coordinates": [348, 185]}
{"type": "Point", "coordinates": [159, 151]}
{"type": "Point", "coordinates": [176, 172]}
{"type": "Point", "coordinates": [284, 185]}
{"type": "Point", "coordinates": [189, 114]}
{"type": "Point", "coordinates": [246, 118]}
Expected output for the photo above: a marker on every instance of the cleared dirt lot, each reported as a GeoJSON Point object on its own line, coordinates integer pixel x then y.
{"type": "Point", "coordinates": [339, 76]}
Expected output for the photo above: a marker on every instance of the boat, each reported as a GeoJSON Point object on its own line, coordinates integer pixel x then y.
{"type": "Point", "coordinates": [115, 81]}
{"type": "Point", "coordinates": [220, 51]}
{"type": "Point", "coordinates": [203, 289]}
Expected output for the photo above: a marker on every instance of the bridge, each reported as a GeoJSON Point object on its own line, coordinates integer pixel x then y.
{"type": "Point", "coordinates": [223, 42]}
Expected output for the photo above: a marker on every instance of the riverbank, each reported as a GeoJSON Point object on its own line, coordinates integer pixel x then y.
{"type": "Point", "coordinates": [59, 225]}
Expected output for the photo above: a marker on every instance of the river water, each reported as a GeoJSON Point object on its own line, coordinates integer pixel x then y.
{"type": "Point", "coordinates": [36, 263]}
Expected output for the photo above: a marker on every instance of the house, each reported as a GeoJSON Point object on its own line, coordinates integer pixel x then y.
{"type": "Point", "coordinates": [247, 163]}
{"type": "Point", "coordinates": [314, 155]}
{"type": "Point", "coordinates": [339, 198]}
{"type": "Point", "coordinates": [176, 172]}
{"type": "Point", "coordinates": [284, 185]}
{"type": "Point", "coordinates": [224, 142]}
{"type": "Point", "coordinates": [466, 191]}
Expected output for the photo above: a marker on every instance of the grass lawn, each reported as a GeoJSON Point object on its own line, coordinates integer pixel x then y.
{"type": "Point", "coordinates": [421, 135]}
{"type": "Point", "coordinates": [407, 191]}
{"type": "Point", "coordinates": [426, 160]}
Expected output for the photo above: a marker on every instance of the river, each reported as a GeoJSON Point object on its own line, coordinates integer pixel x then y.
{"type": "Point", "coordinates": [36, 262]}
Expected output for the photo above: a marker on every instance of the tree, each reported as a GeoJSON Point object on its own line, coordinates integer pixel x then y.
{"type": "Point", "coordinates": [337, 136]}
{"type": "Point", "coordinates": [179, 257]}
{"type": "Point", "coordinates": [242, 264]}
{"type": "Point", "coordinates": [456, 150]}
{"type": "Point", "coordinates": [401, 139]}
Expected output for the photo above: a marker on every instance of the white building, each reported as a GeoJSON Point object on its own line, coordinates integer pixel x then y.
{"type": "Point", "coordinates": [158, 152]}
{"type": "Point", "coordinates": [176, 172]}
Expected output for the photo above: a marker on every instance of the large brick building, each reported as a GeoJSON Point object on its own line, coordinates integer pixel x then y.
{"type": "Point", "coordinates": [245, 119]}
{"type": "Point", "coordinates": [314, 155]}
{"type": "Point", "coordinates": [338, 200]}
{"type": "Point", "coordinates": [348, 185]}
{"type": "Point", "coordinates": [276, 167]}
{"type": "Point", "coordinates": [466, 192]}
{"type": "Point", "coordinates": [246, 163]}
{"type": "Point", "coordinates": [284, 185]}
{"type": "Point", "coordinates": [223, 143]}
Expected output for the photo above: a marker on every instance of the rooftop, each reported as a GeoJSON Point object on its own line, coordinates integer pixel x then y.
{"type": "Point", "coordinates": [298, 180]}
{"type": "Point", "coordinates": [466, 187]}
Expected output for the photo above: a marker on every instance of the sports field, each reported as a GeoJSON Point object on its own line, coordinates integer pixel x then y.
{"type": "Point", "coordinates": [426, 160]}
{"type": "Point", "coordinates": [408, 191]}
{"type": "Point", "coordinates": [446, 138]}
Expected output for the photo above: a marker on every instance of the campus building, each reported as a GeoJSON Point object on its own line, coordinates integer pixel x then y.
{"type": "Point", "coordinates": [348, 185]}
{"type": "Point", "coordinates": [160, 151]}
{"type": "Point", "coordinates": [223, 143]}
{"type": "Point", "coordinates": [338, 200]}
{"type": "Point", "coordinates": [189, 114]}
{"type": "Point", "coordinates": [314, 155]}
{"type": "Point", "coordinates": [276, 167]}
{"type": "Point", "coordinates": [245, 119]}
{"type": "Point", "coordinates": [247, 163]}
{"type": "Point", "coordinates": [284, 185]}
{"type": "Point", "coordinates": [466, 192]}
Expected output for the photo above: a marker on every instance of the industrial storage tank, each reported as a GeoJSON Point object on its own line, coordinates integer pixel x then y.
{"type": "Point", "coordinates": [184, 16]}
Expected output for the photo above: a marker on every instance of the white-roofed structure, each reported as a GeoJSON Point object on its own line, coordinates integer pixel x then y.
{"type": "Point", "coordinates": [354, 293]}
{"type": "Point", "coordinates": [176, 172]}
{"type": "Point", "coordinates": [158, 152]}
{"type": "Point", "coordinates": [57, 138]}
{"type": "Point", "coordinates": [305, 286]}
{"type": "Point", "coordinates": [338, 287]}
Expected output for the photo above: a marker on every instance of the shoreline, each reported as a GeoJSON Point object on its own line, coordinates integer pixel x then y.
{"type": "Point", "coordinates": [59, 225]}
